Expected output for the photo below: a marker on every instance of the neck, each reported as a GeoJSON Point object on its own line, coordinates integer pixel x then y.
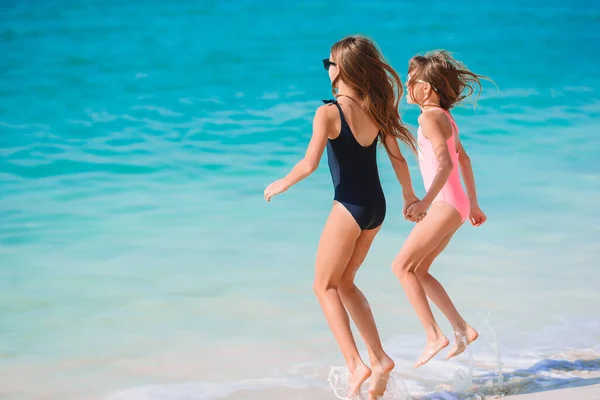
{"type": "Point", "coordinates": [432, 101]}
{"type": "Point", "coordinates": [429, 104]}
{"type": "Point", "coordinates": [343, 90]}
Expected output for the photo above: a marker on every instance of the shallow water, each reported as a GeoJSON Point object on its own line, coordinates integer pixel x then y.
{"type": "Point", "coordinates": [137, 253]}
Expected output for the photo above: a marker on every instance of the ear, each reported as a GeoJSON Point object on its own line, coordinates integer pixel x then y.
{"type": "Point", "coordinates": [427, 91]}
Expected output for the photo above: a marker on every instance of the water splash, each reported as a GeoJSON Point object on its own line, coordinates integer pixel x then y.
{"type": "Point", "coordinates": [499, 381]}
{"type": "Point", "coordinates": [462, 381]}
{"type": "Point", "coordinates": [339, 381]}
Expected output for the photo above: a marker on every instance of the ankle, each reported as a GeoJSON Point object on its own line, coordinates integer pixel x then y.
{"type": "Point", "coordinates": [384, 362]}
{"type": "Point", "coordinates": [378, 358]}
{"type": "Point", "coordinates": [435, 334]}
{"type": "Point", "coordinates": [355, 364]}
{"type": "Point", "coordinates": [460, 326]}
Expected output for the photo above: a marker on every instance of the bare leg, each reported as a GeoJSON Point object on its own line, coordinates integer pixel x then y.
{"type": "Point", "coordinates": [360, 311]}
{"type": "Point", "coordinates": [335, 249]}
{"type": "Point", "coordinates": [441, 220]}
{"type": "Point", "coordinates": [463, 332]}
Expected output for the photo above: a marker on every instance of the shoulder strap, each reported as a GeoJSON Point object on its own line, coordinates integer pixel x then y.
{"type": "Point", "coordinates": [452, 122]}
{"type": "Point", "coordinates": [343, 119]}
{"type": "Point", "coordinates": [454, 128]}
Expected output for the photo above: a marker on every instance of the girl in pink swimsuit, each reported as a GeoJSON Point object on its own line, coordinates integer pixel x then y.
{"type": "Point", "coordinates": [437, 82]}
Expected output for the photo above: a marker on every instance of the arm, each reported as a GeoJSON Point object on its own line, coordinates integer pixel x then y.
{"type": "Point", "coordinates": [322, 125]}
{"type": "Point", "coordinates": [476, 216]}
{"type": "Point", "coordinates": [403, 174]}
{"type": "Point", "coordinates": [400, 168]}
{"type": "Point", "coordinates": [466, 171]}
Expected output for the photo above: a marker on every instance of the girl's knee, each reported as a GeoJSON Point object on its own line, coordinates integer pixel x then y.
{"type": "Point", "coordinates": [346, 287]}
{"type": "Point", "coordinates": [422, 270]}
{"type": "Point", "coordinates": [422, 273]}
{"type": "Point", "coordinates": [403, 265]}
{"type": "Point", "coordinates": [321, 286]}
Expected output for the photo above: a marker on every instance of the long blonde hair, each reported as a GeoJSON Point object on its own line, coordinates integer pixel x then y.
{"type": "Point", "coordinates": [364, 70]}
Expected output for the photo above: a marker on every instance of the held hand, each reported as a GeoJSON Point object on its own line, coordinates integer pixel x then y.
{"type": "Point", "coordinates": [408, 201]}
{"type": "Point", "coordinates": [477, 217]}
{"type": "Point", "coordinates": [274, 189]}
{"type": "Point", "coordinates": [417, 211]}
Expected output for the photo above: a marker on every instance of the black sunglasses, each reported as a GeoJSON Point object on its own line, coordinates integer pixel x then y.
{"type": "Point", "coordinates": [327, 63]}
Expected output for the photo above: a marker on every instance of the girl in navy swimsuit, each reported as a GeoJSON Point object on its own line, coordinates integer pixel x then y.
{"type": "Point", "coordinates": [365, 112]}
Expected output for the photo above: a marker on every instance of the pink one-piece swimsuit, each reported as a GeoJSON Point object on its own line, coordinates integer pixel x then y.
{"type": "Point", "coordinates": [452, 192]}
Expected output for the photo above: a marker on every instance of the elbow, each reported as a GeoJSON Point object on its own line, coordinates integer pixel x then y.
{"type": "Point", "coordinates": [464, 160]}
{"type": "Point", "coordinates": [400, 162]}
{"type": "Point", "coordinates": [445, 168]}
{"type": "Point", "coordinates": [310, 166]}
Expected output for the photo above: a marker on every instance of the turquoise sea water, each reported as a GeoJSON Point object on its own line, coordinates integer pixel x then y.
{"type": "Point", "coordinates": [136, 138]}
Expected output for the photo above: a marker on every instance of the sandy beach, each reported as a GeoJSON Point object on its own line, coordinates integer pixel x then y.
{"type": "Point", "coordinates": [591, 392]}
{"type": "Point", "coordinates": [587, 392]}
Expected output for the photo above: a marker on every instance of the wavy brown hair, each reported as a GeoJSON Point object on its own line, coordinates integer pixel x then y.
{"type": "Point", "coordinates": [449, 78]}
{"type": "Point", "coordinates": [364, 70]}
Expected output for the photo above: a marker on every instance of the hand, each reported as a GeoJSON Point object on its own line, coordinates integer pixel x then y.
{"type": "Point", "coordinates": [477, 217]}
{"type": "Point", "coordinates": [274, 189]}
{"type": "Point", "coordinates": [417, 211]}
{"type": "Point", "coordinates": [408, 201]}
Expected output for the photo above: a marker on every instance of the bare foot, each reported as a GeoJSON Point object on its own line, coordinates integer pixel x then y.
{"type": "Point", "coordinates": [461, 340]}
{"type": "Point", "coordinates": [379, 379]}
{"type": "Point", "coordinates": [431, 349]}
{"type": "Point", "coordinates": [357, 378]}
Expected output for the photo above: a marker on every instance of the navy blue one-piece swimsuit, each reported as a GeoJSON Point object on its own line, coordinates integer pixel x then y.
{"type": "Point", "coordinates": [355, 176]}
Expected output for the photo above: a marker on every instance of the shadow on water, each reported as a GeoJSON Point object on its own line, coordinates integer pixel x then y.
{"type": "Point", "coordinates": [544, 375]}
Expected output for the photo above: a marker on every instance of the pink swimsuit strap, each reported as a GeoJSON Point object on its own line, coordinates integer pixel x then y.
{"type": "Point", "coordinates": [450, 117]}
